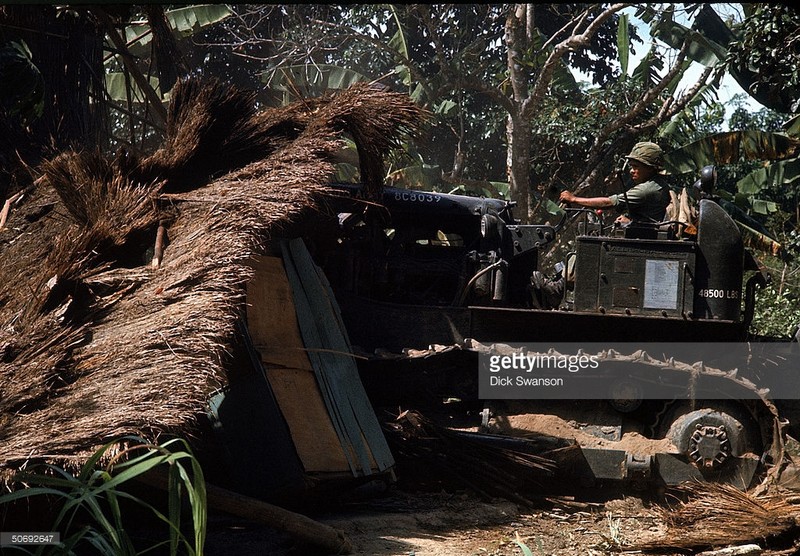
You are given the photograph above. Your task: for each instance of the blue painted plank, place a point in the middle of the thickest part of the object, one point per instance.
(330, 354)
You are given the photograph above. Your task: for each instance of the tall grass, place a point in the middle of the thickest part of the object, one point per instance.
(90, 513)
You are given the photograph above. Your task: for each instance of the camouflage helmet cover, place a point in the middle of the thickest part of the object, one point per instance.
(649, 154)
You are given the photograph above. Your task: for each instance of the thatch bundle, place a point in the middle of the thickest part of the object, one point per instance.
(717, 514)
(434, 455)
(95, 342)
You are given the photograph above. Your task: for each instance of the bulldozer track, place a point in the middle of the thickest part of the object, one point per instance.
(774, 455)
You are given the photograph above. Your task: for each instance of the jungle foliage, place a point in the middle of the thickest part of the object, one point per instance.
(525, 99)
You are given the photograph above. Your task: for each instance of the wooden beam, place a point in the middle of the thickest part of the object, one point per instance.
(298, 526)
(158, 250)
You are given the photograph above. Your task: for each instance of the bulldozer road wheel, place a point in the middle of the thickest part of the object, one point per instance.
(725, 440)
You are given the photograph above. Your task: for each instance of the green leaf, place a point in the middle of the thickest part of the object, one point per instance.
(192, 19)
(403, 73)
(174, 505)
(117, 88)
(196, 489)
(444, 107)
(647, 71)
(761, 206)
(793, 126)
(184, 22)
(346, 172)
(623, 43)
(423, 177)
(398, 40)
(30, 493)
(525, 550)
(310, 80)
(552, 207)
(777, 174)
(731, 147)
(417, 93)
(93, 496)
(21, 83)
(502, 187)
(702, 49)
(564, 79)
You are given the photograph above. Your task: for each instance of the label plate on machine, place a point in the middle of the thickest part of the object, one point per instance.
(661, 278)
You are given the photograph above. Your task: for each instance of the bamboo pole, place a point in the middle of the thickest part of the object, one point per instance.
(300, 527)
(296, 525)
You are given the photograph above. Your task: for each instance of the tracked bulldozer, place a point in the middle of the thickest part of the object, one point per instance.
(433, 288)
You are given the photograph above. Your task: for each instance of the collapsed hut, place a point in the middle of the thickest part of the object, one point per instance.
(124, 279)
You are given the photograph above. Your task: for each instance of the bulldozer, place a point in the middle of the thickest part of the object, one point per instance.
(435, 288)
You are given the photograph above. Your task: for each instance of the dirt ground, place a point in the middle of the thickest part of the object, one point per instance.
(458, 524)
(454, 524)
(413, 517)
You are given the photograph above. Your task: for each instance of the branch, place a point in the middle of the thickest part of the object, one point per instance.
(651, 94)
(128, 60)
(669, 108)
(348, 33)
(575, 26)
(571, 44)
(514, 36)
(468, 81)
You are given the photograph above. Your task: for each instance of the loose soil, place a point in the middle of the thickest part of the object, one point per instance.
(553, 425)
(415, 517)
(401, 523)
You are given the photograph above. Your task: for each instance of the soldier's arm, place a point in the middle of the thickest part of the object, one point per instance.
(588, 202)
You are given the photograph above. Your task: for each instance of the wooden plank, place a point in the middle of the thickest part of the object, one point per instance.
(274, 331)
(314, 437)
(329, 352)
(271, 318)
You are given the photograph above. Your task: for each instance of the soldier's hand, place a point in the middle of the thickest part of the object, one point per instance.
(566, 197)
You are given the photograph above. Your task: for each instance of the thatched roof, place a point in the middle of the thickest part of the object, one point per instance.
(95, 343)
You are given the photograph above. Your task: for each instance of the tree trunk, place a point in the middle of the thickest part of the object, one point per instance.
(519, 154)
(169, 60)
(67, 48)
(518, 131)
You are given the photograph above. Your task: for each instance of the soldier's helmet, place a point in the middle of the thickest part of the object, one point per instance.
(648, 153)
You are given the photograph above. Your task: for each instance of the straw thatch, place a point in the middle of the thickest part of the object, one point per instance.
(717, 514)
(95, 342)
(439, 456)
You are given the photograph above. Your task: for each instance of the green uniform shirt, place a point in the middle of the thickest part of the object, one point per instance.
(646, 202)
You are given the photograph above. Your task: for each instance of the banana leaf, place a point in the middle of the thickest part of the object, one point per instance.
(183, 21)
(118, 87)
(21, 83)
(310, 80)
(754, 234)
(731, 147)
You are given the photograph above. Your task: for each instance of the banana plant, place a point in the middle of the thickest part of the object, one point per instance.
(774, 154)
(21, 83)
(184, 22)
(310, 80)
